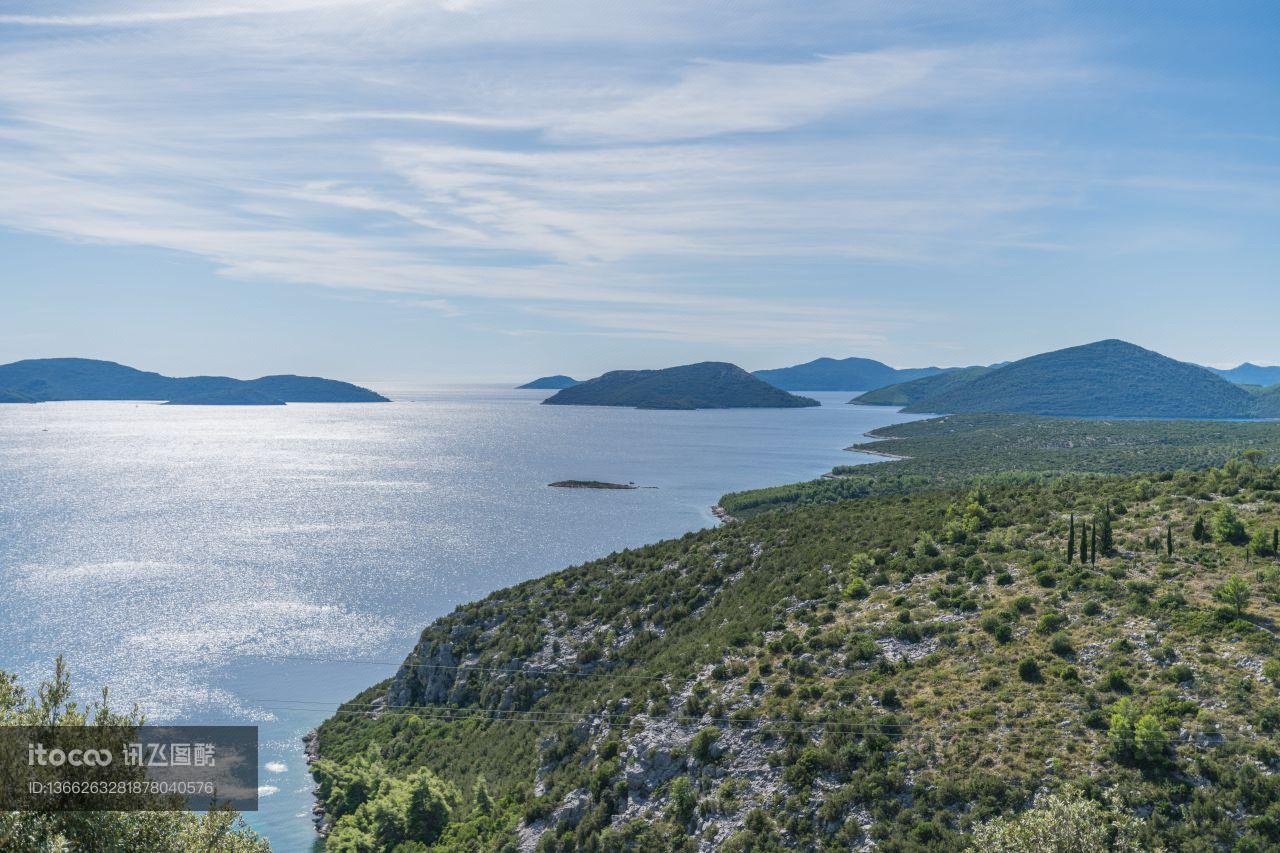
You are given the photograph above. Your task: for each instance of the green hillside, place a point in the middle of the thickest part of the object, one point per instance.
(706, 385)
(906, 393)
(1104, 379)
(1266, 403)
(904, 670)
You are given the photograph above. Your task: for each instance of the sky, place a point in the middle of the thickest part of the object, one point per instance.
(491, 190)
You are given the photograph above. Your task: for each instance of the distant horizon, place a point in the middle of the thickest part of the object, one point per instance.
(410, 382)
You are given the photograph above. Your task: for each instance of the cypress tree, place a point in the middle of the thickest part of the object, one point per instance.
(1275, 541)
(1093, 544)
(1107, 541)
(1168, 538)
(1071, 540)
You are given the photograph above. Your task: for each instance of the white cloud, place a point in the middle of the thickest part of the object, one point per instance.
(587, 169)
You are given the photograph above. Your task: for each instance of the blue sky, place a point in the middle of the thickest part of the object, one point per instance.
(486, 190)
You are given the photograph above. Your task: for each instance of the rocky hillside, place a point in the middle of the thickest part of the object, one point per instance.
(894, 673)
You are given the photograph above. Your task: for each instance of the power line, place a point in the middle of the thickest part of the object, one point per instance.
(528, 673)
(377, 711)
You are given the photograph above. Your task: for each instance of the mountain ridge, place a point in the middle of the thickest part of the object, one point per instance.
(841, 374)
(1109, 378)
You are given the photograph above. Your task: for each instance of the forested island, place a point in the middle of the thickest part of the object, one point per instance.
(706, 385)
(50, 379)
(549, 383)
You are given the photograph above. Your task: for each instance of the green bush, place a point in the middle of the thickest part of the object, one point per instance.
(1029, 670)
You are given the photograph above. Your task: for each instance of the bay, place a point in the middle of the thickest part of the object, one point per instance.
(262, 565)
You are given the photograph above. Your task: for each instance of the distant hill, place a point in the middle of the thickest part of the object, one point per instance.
(1266, 403)
(707, 385)
(1105, 379)
(241, 396)
(550, 382)
(44, 379)
(845, 374)
(313, 389)
(906, 393)
(1251, 374)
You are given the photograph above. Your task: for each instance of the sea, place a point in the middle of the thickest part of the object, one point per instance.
(261, 565)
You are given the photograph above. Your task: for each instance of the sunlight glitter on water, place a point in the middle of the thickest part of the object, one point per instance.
(263, 565)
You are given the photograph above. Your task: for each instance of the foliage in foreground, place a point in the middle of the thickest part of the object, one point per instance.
(137, 832)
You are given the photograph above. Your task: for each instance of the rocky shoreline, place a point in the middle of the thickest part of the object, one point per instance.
(723, 514)
(311, 750)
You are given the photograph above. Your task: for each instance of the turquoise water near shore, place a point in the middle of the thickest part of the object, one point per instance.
(261, 565)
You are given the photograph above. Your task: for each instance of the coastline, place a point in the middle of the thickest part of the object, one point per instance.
(311, 751)
(722, 516)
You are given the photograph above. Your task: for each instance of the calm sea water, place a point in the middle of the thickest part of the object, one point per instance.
(261, 565)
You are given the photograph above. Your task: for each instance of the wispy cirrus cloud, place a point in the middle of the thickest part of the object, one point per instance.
(467, 153)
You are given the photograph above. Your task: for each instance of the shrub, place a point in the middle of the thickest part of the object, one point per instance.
(1116, 682)
(683, 800)
(1061, 645)
(701, 744)
(1051, 622)
(1029, 670)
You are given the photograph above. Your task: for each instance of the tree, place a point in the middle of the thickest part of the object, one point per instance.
(222, 831)
(1261, 544)
(1198, 531)
(1105, 535)
(1168, 539)
(683, 800)
(429, 807)
(1227, 526)
(1149, 739)
(481, 797)
(1062, 822)
(1234, 593)
(1071, 540)
(1093, 544)
(1120, 729)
